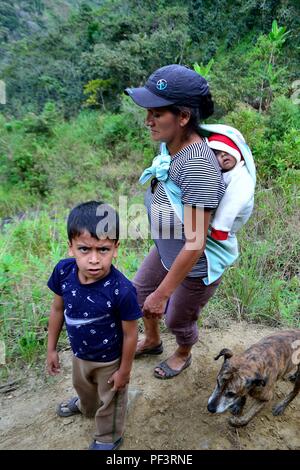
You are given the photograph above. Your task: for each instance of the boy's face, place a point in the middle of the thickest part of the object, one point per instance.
(93, 257)
(226, 161)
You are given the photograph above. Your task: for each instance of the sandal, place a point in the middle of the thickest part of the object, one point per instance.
(96, 445)
(150, 351)
(70, 408)
(169, 373)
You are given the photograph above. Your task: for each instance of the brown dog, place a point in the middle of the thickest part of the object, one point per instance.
(254, 373)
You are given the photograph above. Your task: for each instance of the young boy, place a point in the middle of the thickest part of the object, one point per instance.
(99, 306)
(237, 203)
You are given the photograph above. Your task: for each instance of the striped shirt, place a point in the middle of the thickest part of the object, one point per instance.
(196, 171)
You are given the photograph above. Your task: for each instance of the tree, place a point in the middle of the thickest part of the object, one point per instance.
(96, 89)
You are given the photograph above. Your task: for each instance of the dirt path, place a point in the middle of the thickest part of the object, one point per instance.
(162, 414)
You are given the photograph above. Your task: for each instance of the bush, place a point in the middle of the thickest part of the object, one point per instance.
(74, 161)
(282, 116)
(263, 285)
(273, 138)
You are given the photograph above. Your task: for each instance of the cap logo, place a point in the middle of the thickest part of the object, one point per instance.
(161, 84)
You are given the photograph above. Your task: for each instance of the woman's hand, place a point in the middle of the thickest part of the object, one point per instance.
(155, 305)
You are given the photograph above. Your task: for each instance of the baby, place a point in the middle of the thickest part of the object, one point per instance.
(237, 203)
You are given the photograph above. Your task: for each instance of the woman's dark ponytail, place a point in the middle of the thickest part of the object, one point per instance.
(206, 106)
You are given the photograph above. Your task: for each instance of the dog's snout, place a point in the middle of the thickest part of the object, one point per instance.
(211, 408)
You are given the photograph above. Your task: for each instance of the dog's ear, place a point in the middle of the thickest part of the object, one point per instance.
(226, 353)
(257, 381)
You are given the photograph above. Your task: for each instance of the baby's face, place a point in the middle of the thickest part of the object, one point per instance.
(226, 161)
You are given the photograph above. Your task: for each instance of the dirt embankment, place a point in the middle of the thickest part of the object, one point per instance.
(162, 415)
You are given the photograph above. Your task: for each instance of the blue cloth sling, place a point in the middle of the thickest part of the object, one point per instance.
(219, 253)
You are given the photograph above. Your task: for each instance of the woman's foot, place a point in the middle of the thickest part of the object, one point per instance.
(172, 366)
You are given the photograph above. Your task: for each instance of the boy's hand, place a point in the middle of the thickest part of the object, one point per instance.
(119, 380)
(53, 365)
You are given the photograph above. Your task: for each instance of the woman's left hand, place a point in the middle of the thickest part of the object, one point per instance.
(155, 305)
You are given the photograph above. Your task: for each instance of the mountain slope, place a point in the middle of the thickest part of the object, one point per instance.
(19, 18)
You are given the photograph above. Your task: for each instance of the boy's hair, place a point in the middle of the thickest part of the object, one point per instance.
(98, 218)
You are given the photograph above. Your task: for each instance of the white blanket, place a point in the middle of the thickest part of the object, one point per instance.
(237, 203)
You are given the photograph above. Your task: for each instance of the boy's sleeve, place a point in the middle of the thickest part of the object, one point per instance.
(54, 282)
(128, 305)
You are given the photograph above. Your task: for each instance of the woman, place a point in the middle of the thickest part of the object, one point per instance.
(170, 279)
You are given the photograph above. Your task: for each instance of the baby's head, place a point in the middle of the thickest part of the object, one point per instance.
(227, 152)
(93, 233)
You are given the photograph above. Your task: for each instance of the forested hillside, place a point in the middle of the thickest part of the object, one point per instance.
(19, 18)
(118, 43)
(68, 134)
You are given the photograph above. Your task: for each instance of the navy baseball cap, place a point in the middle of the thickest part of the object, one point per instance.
(172, 84)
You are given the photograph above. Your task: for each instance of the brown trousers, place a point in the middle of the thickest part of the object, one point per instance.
(96, 397)
(185, 304)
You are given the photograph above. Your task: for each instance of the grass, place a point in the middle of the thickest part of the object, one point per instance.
(263, 286)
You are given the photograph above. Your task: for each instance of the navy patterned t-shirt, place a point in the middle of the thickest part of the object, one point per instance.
(94, 312)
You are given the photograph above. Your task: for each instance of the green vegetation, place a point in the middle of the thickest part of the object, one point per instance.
(68, 134)
(119, 43)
